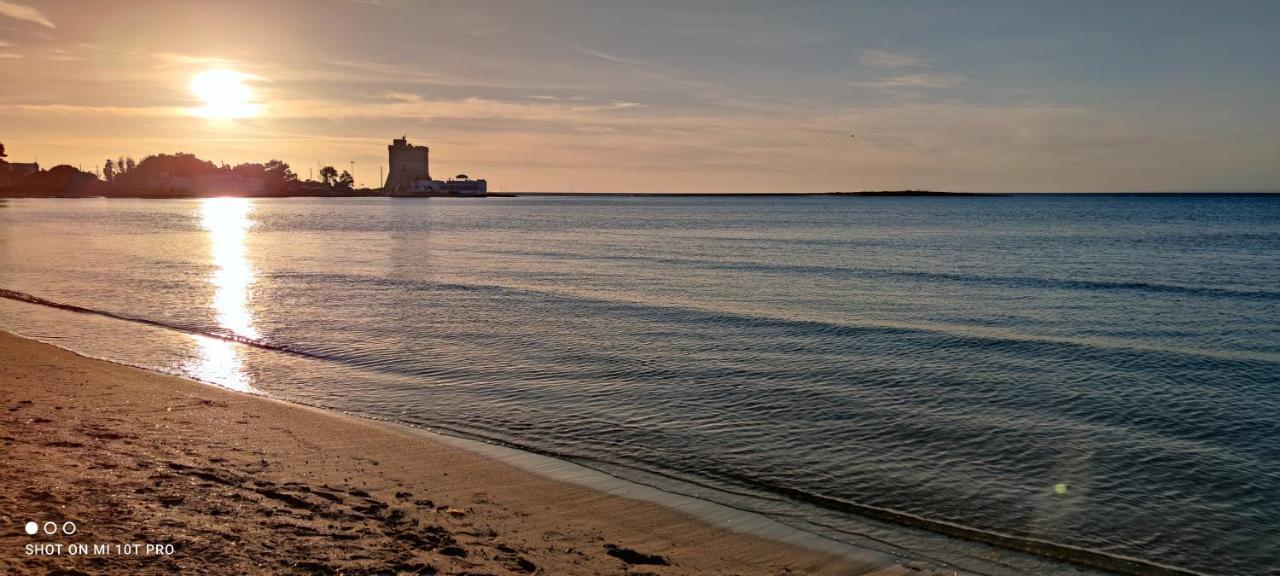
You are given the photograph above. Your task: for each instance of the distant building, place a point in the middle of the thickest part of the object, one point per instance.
(408, 163)
(457, 186)
(23, 168)
(11, 173)
(411, 174)
(16, 168)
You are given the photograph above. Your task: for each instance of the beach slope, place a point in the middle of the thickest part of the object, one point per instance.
(240, 484)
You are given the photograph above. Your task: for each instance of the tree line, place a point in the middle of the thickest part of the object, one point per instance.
(276, 175)
(167, 174)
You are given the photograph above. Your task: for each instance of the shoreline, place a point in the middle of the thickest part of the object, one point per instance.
(718, 513)
(246, 483)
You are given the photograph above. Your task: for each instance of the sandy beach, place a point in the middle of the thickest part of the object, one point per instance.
(240, 484)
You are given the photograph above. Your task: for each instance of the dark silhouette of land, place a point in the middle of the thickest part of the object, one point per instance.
(184, 175)
(179, 175)
(914, 193)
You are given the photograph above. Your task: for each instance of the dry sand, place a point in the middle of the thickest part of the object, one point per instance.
(240, 484)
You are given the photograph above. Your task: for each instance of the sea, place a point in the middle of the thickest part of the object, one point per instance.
(1002, 384)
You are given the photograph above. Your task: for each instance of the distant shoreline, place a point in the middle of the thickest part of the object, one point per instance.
(753, 194)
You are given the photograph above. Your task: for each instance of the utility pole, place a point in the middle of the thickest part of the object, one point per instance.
(353, 172)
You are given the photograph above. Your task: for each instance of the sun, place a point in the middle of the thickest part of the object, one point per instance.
(225, 94)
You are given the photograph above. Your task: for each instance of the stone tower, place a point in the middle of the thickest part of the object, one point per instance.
(408, 163)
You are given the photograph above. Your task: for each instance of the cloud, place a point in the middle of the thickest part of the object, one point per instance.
(76, 109)
(911, 85)
(671, 78)
(887, 59)
(904, 74)
(367, 72)
(916, 80)
(393, 106)
(24, 12)
(611, 57)
(404, 105)
(61, 55)
(474, 22)
(179, 59)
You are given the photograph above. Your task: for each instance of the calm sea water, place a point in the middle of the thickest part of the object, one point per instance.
(1096, 372)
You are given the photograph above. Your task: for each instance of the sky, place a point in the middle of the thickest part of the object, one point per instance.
(654, 96)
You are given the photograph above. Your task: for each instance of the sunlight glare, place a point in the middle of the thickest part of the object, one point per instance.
(227, 222)
(220, 363)
(225, 95)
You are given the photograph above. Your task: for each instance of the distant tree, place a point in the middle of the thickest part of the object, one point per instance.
(278, 170)
(345, 181)
(2, 155)
(275, 175)
(329, 175)
(62, 179)
(182, 165)
(109, 170)
(250, 170)
(120, 168)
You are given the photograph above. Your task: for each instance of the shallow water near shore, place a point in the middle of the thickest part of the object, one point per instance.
(1100, 373)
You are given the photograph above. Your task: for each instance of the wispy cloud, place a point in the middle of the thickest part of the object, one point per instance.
(915, 81)
(24, 12)
(611, 57)
(477, 23)
(80, 110)
(887, 59)
(904, 74)
(5, 55)
(671, 78)
(394, 105)
(174, 58)
(404, 105)
(380, 3)
(61, 55)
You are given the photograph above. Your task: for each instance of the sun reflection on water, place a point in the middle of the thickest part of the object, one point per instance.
(221, 364)
(227, 222)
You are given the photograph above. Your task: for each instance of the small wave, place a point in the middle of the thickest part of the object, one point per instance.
(1072, 554)
(32, 299)
(846, 272)
(945, 337)
(751, 488)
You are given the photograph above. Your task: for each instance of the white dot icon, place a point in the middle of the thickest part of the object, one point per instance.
(32, 527)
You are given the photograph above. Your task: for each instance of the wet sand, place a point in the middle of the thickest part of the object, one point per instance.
(240, 484)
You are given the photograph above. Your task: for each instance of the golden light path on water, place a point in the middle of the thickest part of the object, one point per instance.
(227, 222)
